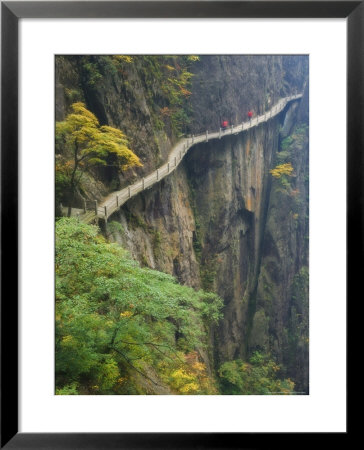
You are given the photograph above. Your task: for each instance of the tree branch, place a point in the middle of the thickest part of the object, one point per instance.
(155, 346)
(137, 370)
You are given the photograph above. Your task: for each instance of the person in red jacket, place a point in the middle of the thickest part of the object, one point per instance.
(250, 115)
(224, 124)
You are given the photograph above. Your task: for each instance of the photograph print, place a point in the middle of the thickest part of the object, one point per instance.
(182, 224)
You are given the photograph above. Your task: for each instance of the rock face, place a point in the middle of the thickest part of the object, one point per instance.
(229, 184)
(232, 85)
(280, 322)
(220, 221)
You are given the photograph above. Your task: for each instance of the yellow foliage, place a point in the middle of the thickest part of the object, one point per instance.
(126, 314)
(290, 384)
(180, 375)
(80, 109)
(114, 132)
(124, 58)
(82, 133)
(199, 367)
(189, 388)
(185, 92)
(193, 58)
(282, 169)
(166, 111)
(191, 377)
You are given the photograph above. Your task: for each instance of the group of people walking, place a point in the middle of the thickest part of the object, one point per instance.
(225, 123)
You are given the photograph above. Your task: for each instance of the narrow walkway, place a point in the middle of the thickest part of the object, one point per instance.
(116, 199)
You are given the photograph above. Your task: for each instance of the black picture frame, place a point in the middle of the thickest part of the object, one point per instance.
(11, 12)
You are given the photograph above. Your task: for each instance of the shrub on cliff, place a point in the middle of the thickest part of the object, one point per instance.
(258, 376)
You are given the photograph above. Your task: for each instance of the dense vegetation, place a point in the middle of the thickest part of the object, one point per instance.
(258, 376)
(116, 321)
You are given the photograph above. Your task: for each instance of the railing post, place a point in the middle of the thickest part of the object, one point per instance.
(220, 133)
(129, 191)
(157, 174)
(105, 207)
(84, 206)
(232, 128)
(168, 166)
(143, 183)
(175, 161)
(117, 201)
(180, 155)
(207, 134)
(192, 139)
(95, 207)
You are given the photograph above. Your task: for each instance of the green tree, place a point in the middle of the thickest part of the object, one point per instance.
(90, 144)
(116, 321)
(258, 376)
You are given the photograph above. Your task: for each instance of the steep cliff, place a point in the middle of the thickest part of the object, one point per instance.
(221, 221)
(280, 321)
(228, 86)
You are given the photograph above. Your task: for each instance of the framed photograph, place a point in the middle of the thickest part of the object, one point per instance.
(181, 214)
